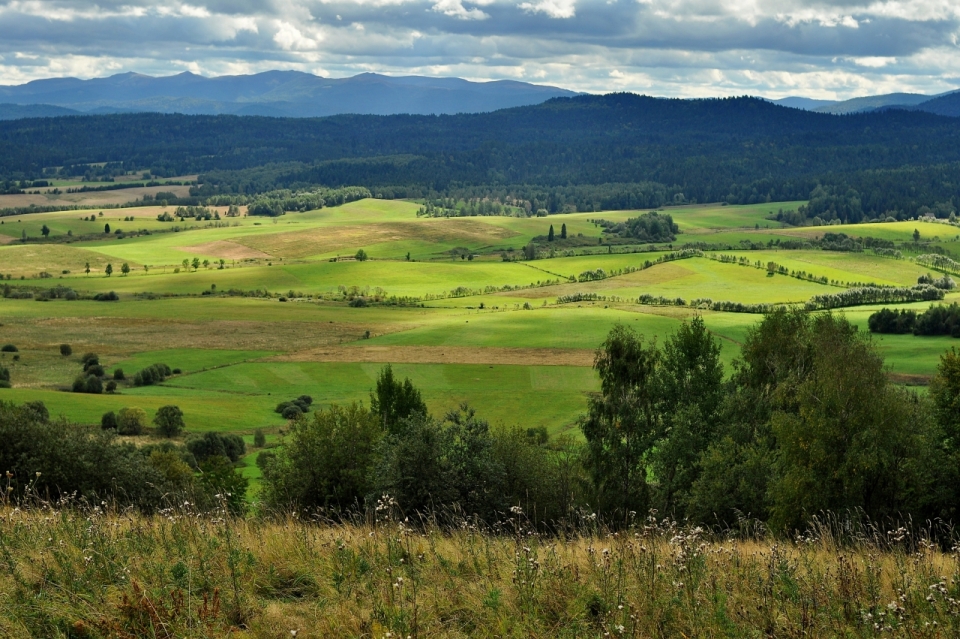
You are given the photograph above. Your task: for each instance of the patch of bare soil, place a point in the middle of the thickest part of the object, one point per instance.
(443, 355)
(6, 239)
(224, 249)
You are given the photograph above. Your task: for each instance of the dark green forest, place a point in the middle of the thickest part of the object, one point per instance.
(586, 153)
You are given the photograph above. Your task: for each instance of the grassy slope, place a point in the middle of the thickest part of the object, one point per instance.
(228, 336)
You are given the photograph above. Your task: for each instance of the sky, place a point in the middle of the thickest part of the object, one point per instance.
(681, 48)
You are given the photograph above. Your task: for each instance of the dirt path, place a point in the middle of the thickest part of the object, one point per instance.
(443, 355)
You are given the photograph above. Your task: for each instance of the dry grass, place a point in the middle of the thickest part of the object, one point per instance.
(90, 574)
(316, 241)
(444, 355)
(224, 249)
(90, 198)
(117, 337)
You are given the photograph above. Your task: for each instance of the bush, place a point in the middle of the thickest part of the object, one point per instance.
(259, 439)
(109, 421)
(118, 374)
(212, 444)
(325, 462)
(292, 412)
(89, 358)
(87, 384)
(106, 297)
(58, 458)
(9, 348)
(176, 371)
(66, 350)
(169, 421)
(131, 421)
(4, 377)
(111, 386)
(95, 369)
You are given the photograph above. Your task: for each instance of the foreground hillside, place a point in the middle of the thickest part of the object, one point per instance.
(96, 574)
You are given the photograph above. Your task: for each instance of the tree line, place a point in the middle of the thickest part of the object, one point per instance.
(582, 153)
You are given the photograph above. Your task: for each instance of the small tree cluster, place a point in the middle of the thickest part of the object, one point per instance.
(153, 374)
(91, 379)
(295, 407)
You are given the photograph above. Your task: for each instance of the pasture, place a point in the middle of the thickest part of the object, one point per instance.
(279, 316)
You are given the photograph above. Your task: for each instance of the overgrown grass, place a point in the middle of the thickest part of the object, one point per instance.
(73, 573)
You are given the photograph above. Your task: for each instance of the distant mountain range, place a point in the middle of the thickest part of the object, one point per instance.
(273, 93)
(943, 104)
(297, 94)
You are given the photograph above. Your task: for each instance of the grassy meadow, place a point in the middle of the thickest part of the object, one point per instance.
(100, 574)
(483, 330)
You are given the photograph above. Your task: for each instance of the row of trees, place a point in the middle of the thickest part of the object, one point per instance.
(807, 422)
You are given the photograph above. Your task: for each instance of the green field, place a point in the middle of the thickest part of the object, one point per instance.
(502, 343)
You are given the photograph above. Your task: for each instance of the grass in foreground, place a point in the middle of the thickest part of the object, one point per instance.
(90, 574)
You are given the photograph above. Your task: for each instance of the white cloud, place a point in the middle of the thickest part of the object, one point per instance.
(456, 9)
(289, 38)
(552, 8)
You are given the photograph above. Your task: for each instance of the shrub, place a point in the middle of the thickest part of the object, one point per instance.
(212, 444)
(118, 374)
(87, 384)
(4, 377)
(131, 421)
(169, 421)
(95, 369)
(292, 412)
(89, 357)
(259, 439)
(106, 297)
(60, 458)
(326, 461)
(176, 371)
(9, 348)
(111, 386)
(109, 421)
(66, 350)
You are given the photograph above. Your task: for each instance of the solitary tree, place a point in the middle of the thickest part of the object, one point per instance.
(125, 268)
(45, 230)
(394, 400)
(185, 263)
(195, 263)
(87, 269)
(361, 256)
(169, 421)
(550, 234)
(66, 350)
(916, 235)
(563, 231)
(106, 228)
(109, 270)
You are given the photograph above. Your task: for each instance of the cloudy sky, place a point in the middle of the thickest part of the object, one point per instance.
(835, 49)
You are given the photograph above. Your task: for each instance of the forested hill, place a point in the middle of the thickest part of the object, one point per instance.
(738, 149)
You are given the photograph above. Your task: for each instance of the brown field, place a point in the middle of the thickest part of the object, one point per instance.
(224, 249)
(331, 238)
(95, 198)
(122, 336)
(443, 355)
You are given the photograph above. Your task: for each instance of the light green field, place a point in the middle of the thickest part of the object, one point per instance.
(240, 356)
